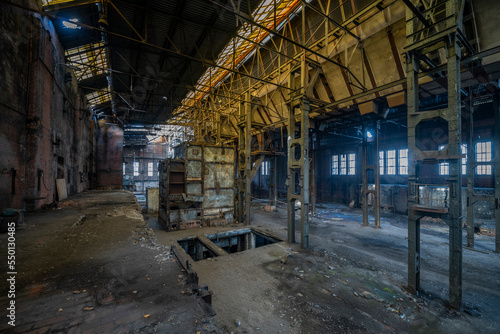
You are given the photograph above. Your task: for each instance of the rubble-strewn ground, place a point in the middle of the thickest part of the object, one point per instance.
(93, 266)
(352, 280)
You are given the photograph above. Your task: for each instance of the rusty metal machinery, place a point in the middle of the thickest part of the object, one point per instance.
(197, 187)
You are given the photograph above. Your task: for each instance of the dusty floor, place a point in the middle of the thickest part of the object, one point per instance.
(95, 266)
(351, 281)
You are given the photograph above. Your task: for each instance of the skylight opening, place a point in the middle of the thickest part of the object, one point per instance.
(99, 97)
(70, 24)
(90, 60)
(54, 2)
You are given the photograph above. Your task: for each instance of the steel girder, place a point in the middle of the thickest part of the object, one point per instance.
(496, 165)
(417, 45)
(370, 153)
(273, 181)
(298, 176)
(245, 160)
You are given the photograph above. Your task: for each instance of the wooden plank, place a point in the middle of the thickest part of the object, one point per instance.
(211, 246)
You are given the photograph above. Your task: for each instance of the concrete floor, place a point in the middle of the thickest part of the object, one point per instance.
(352, 280)
(95, 266)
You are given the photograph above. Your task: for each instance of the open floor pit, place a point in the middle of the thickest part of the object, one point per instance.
(207, 246)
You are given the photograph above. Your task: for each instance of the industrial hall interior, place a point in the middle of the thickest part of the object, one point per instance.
(250, 166)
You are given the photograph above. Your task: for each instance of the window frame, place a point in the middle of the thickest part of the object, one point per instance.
(351, 164)
(443, 167)
(343, 164)
(136, 168)
(403, 162)
(264, 168)
(150, 169)
(484, 153)
(381, 165)
(391, 162)
(335, 164)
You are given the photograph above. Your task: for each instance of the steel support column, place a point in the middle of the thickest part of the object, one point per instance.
(313, 169)
(370, 163)
(413, 218)
(454, 117)
(417, 46)
(496, 160)
(244, 160)
(241, 163)
(305, 168)
(248, 156)
(273, 178)
(471, 165)
(298, 156)
(219, 127)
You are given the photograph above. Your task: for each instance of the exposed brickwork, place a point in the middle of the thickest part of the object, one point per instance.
(46, 130)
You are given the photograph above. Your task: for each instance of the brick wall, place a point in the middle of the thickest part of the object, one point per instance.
(46, 127)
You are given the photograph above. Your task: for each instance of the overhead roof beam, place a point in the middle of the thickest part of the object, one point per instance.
(69, 4)
(417, 13)
(197, 45)
(330, 19)
(190, 87)
(191, 58)
(208, 27)
(163, 58)
(248, 19)
(173, 16)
